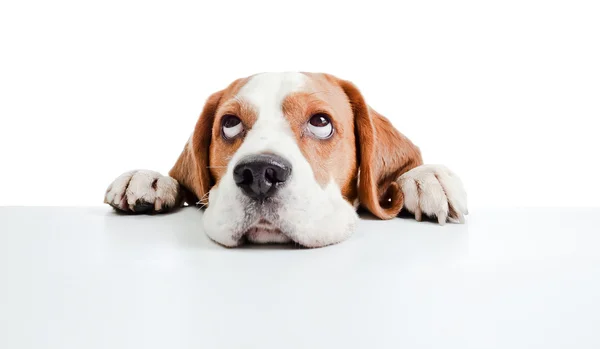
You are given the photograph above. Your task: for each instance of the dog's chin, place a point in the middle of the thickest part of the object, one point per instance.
(266, 233)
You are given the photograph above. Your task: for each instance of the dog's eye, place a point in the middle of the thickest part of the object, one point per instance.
(232, 126)
(320, 126)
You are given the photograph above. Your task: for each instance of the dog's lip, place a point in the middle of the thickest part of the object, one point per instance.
(258, 230)
(266, 234)
(262, 228)
(265, 226)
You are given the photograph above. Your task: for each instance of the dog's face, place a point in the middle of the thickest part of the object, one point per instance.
(283, 161)
(278, 158)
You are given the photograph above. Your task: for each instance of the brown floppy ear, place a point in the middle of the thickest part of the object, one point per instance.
(383, 154)
(191, 169)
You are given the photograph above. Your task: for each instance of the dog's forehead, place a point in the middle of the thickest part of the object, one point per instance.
(267, 91)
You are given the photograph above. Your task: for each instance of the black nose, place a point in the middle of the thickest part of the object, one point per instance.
(259, 176)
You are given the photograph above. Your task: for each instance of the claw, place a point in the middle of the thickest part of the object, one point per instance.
(158, 204)
(442, 218)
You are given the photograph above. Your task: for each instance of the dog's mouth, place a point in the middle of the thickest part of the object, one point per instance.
(265, 232)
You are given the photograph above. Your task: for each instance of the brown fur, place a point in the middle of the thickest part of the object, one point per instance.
(329, 158)
(192, 168)
(221, 150)
(383, 155)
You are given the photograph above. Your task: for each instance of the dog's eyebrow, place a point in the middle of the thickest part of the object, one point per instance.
(241, 101)
(314, 93)
(238, 105)
(235, 102)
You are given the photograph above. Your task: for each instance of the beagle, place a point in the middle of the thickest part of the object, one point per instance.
(289, 157)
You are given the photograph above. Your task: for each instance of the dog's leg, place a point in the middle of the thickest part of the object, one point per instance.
(143, 191)
(434, 191)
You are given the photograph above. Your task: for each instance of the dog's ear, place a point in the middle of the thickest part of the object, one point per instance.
(383, 154)
(191, 169)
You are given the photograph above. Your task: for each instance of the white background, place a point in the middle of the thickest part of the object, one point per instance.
(506, 93)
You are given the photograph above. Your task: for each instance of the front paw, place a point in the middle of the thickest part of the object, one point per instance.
(143, 191)
(435, 191)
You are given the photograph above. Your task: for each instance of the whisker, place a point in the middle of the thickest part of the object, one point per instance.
(203, 201)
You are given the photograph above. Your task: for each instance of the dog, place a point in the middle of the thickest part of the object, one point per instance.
(289, 157)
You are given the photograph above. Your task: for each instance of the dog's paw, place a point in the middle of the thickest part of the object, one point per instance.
(433, 190)
(143, 191)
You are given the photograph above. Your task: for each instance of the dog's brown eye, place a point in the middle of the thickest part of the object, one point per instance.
(231, 126)
(320, 126)
(319, 120)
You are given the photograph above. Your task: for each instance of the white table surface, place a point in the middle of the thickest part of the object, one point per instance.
(89, 278)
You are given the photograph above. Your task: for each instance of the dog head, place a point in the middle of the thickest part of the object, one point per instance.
(283, 157)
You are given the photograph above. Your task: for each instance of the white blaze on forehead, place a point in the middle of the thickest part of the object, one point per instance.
(267, 91)
(271, 132)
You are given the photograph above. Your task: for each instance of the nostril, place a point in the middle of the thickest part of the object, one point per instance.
(270, 175)
(247, 177)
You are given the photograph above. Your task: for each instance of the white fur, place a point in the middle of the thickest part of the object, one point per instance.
(136, 185)
(307, 213)
(432, 190)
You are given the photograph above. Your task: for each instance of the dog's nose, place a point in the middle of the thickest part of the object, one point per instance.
(259, 176)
